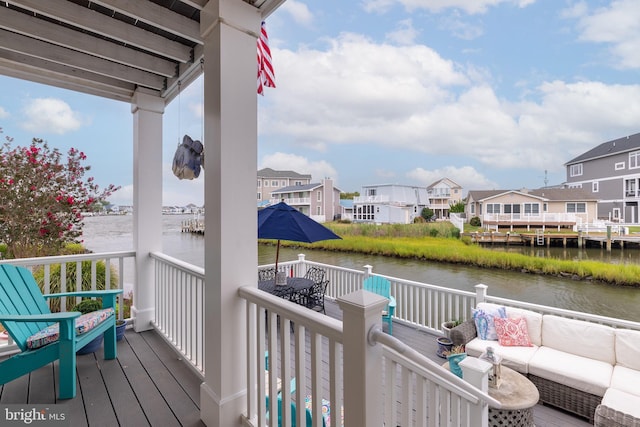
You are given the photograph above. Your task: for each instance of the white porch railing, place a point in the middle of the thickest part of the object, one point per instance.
(120, 263)
(179, 307)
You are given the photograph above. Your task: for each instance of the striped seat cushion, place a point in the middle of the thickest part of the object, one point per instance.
(84, 323)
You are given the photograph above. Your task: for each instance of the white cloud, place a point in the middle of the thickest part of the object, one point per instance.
(466, 176)
(410, 98)
(298, 11)
(3, 113)
(468, 6)
(617, 25)
(291, 162)
(50, 115)
(122, 197)
(405, 34)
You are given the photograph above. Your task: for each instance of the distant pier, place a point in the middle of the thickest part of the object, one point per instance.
(194, 226)
(540, 238)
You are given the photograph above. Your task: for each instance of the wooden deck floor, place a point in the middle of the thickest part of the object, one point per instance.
(149, 385)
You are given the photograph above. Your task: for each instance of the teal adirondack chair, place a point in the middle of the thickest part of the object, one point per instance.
(24, 312)
(381, 286)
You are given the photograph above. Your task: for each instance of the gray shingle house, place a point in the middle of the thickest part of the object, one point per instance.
(611, 173)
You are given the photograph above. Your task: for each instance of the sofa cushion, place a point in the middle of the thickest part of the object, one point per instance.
(516, 358)
(580, 338)
(628, 348)
(512, 332)
(626, 379)
(582, 373)
(483, 316)
(534, 323)
(622, 401)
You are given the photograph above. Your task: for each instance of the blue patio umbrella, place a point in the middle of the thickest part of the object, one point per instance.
(283, 222)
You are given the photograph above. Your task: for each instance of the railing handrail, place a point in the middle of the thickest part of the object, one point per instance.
(543, 309)
(174, 262)
(431, 370)
(318, 322)
(26, 262)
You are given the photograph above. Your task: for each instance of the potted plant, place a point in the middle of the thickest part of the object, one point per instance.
(444, 346)
(121, 326)
(84, 307)
(448, 325)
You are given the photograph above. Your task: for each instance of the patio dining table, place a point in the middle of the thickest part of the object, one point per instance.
(293, 290)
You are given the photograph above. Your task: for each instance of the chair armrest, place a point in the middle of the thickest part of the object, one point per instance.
(392, 302)
(463, 333)
(49, 317)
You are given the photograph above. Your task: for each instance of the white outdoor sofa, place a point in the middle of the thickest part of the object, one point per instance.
(576, 365)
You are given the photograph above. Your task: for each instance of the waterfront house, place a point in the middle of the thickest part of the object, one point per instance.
(389, 203)
(270, 180)
(610, 172)
(442, 195)
(542, 208)
(320, 200)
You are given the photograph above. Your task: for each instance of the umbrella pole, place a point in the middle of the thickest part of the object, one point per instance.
(277, 255)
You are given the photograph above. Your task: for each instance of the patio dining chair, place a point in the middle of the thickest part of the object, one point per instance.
(315, 273)
(267, 274)
(314, 299)
(381, 286)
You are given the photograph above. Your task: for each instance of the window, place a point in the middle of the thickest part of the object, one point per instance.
(259, 196)
(318, 210)
(371, 192)
(493, 208)
(595, 186)
(531, 209)
(274, 183)
(319, 195)
(576, 207)
(298, 183)
(634, 160)
(575, 170)
(473, 208)
(630, 187)
(283, 183)
(513, 210)
(259, 183)
(619, 166)
(545, 207)
(616, 213)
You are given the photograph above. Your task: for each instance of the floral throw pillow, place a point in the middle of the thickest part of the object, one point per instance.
(512, 332)
(483, 318)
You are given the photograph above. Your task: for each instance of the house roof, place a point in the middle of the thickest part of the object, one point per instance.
(270, 173)
(107, 48)
(305, 187)
(620, 145)
(546, 194)
(447, 181)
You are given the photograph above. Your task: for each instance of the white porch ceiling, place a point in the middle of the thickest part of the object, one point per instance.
(107, 48)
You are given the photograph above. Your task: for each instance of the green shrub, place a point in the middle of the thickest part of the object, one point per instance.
(433, 232)
(419, 219)
(87, 306)
(475, 221)
(71, 268)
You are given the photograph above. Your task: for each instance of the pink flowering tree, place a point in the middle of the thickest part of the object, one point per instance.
(43, 196)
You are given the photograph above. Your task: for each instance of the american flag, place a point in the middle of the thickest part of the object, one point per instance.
(265, 67)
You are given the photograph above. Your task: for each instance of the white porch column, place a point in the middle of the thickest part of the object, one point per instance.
(229, 29)
(147, 109)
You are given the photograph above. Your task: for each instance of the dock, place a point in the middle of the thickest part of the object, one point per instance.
(195, 226)
(541, 238)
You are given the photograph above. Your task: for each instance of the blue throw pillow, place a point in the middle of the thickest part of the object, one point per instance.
(483, 319)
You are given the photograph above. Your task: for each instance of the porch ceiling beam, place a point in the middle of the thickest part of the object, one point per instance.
(52, 33)
(24, 67)
(157, 16)
(97, 23)
(197, 4)
(61, 55)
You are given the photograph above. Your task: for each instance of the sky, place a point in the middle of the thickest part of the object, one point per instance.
(492, 94)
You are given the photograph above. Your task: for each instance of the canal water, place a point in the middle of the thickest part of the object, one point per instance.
(115, 233)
